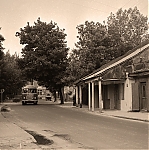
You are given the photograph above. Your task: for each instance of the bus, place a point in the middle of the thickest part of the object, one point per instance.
(29, 94)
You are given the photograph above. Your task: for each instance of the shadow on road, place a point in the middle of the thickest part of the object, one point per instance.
(41, 140)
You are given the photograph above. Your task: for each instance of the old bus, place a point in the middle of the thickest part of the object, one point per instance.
(29, 94)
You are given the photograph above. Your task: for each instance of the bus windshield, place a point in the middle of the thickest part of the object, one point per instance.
(29, 90)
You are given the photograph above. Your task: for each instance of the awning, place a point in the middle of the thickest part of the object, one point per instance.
(112, 81)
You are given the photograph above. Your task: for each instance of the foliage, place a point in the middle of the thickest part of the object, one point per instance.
(100, 43)
(126, 29)
(44, 56)
(1, 60)
(11, 76)
(1, 50)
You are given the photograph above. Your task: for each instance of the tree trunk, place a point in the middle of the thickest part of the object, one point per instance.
(62, 95)
(54, 96)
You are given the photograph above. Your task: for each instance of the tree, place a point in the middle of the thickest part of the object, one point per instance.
(100, 43)
(90, 49)
(12, 80)
(126, 29)
(91, 45)
(1, 60)
(1, 46)
(44, 56)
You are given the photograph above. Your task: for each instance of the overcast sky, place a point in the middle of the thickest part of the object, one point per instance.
(14, 14)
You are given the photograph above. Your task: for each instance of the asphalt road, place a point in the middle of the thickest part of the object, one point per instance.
(88, 130)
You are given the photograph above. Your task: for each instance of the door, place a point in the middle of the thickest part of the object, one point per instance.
(135, 97)
(116, 97)
(143, 98)
(106, 101)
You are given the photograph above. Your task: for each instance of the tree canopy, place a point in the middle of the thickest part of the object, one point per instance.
(99, 43)
(44, 56)
(11, 79)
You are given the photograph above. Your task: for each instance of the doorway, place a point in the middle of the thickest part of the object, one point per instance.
(106, 101)
(143, 98)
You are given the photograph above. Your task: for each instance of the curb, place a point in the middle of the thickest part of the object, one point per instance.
(108, 115)
(131, 118)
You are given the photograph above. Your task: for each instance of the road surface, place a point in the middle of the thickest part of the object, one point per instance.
(83, 129)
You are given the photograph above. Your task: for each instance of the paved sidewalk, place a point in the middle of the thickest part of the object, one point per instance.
(140, 116)
(13, 137)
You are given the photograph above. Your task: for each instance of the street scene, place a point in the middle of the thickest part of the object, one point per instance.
(74, 74)
(50, 125)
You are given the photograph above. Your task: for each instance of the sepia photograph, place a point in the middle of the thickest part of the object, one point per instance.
(74, 75)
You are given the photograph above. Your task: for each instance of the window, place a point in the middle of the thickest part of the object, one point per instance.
(25, 90)
(143, 90)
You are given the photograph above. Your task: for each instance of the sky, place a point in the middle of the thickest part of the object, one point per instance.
(68, 14)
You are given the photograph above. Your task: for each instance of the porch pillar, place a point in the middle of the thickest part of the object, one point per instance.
(80, 92)
(100, 97)
(76, 95)
(92, 96)
(89, 96)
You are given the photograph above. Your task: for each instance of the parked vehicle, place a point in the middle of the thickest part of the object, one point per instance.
(48, 97)
(29, 95)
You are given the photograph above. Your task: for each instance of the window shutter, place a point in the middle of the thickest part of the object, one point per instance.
(135, 97)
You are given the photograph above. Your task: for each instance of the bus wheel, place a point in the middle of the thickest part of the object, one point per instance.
(23, 103)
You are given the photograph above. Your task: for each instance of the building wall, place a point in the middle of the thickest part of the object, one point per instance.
(139, 62)
(140, 101)
(114, 96)
(147, 94)
(126, 104)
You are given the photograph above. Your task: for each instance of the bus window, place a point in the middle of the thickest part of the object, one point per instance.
(25, 90)
(32, 91)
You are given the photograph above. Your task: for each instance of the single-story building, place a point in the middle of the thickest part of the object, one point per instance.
(121, 84)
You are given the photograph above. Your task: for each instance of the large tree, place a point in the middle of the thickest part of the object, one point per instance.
(44, 56)
(99, 43)
(126, 30)
(12, 79)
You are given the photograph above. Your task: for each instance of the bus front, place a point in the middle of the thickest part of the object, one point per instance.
(29, 95)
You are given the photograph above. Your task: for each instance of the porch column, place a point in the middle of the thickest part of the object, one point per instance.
(128, 93)
(100, 97)
(89, 96)
(92, 96)
(80, 92)
(76, 95)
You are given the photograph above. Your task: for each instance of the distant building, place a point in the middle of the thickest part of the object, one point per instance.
(41, 92)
